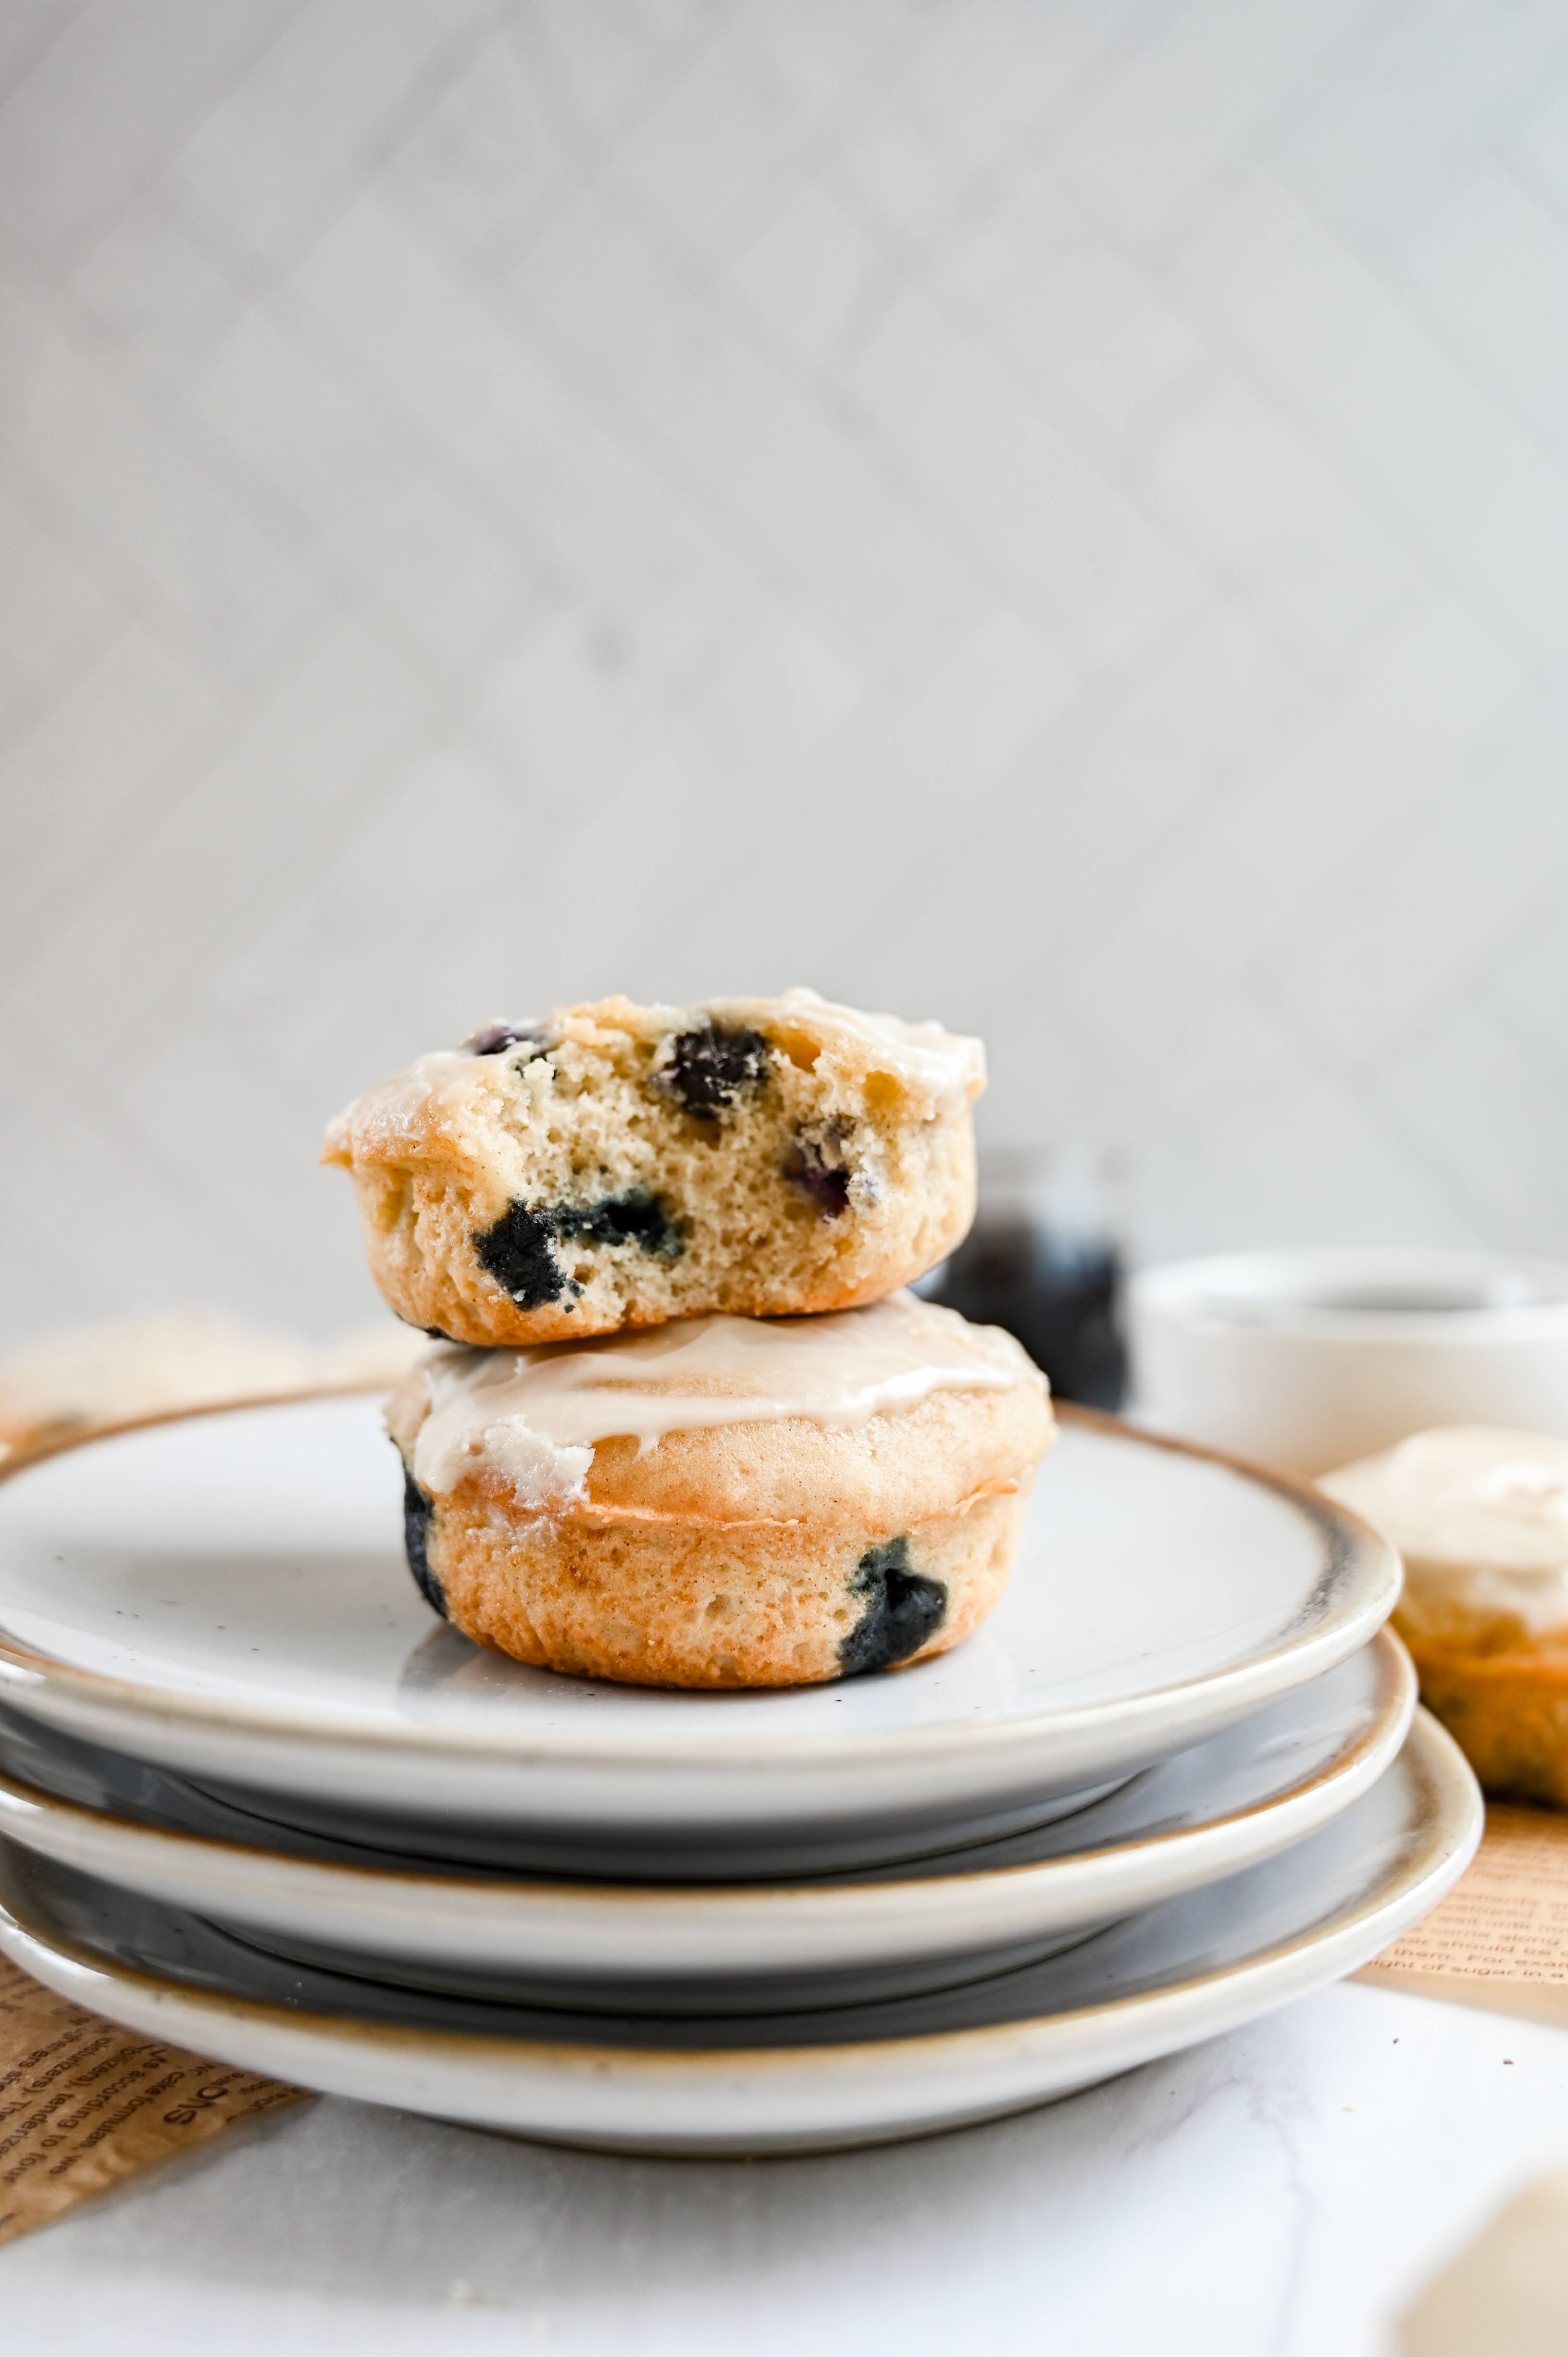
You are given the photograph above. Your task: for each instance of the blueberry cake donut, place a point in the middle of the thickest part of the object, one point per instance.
(618, 1165)
(1481, 1515)
(724, 1502)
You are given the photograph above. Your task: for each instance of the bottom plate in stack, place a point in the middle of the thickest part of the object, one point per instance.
(1173, 1974)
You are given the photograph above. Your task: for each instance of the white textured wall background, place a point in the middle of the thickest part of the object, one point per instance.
(1053, 512)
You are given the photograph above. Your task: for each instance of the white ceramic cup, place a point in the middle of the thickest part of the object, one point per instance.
(1308, 1359)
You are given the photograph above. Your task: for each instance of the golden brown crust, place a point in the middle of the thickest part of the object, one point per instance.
(687, 1604)
(1466, 1621)
(1506, 1711)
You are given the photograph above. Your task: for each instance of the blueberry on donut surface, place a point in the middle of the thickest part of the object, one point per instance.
(902, 1610)
(417, 1511)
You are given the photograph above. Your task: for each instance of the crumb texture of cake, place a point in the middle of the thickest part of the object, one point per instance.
(1479, 1514)
(724, 1502)
(615, 1164)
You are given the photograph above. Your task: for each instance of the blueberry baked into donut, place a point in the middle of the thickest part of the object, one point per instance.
(615, 1164)
(724, 1502)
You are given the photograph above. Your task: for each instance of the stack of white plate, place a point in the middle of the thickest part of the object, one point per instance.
(257, 1801)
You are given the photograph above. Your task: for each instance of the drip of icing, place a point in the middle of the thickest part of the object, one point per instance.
(532, 1417)
(1481, 1515)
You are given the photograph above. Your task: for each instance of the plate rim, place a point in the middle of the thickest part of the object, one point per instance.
(1452, 1820)
(1379, 1744)
(1373, 1568)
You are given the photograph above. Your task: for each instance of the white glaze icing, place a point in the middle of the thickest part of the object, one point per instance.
(391, 1112)
(534, 1415)
(944, 1068)
(1479, 1513)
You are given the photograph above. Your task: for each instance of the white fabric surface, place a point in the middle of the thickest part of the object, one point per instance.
(1287, 2190)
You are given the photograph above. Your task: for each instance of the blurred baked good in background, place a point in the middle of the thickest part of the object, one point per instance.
(89, 1376)
(1480, 1516)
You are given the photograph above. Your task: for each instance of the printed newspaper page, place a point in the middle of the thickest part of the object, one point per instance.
(1501, 1937)
(84, 2105)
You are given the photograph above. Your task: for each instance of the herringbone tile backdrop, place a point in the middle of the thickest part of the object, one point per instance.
(1053, 512)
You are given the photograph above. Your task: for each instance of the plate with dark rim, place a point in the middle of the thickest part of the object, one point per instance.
(224, 1594)
(789, 2081)
(735, 1948)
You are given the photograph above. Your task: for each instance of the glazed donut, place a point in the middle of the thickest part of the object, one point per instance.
(724, 1502)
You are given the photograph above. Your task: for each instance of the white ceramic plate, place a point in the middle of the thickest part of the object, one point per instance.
(788, 2082)
(1241, 1797)
(225, 1594)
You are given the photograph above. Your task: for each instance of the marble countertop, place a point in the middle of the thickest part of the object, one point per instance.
(1280, 2193)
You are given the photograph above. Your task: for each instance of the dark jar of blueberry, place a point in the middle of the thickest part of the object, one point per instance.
(1043, 1259)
